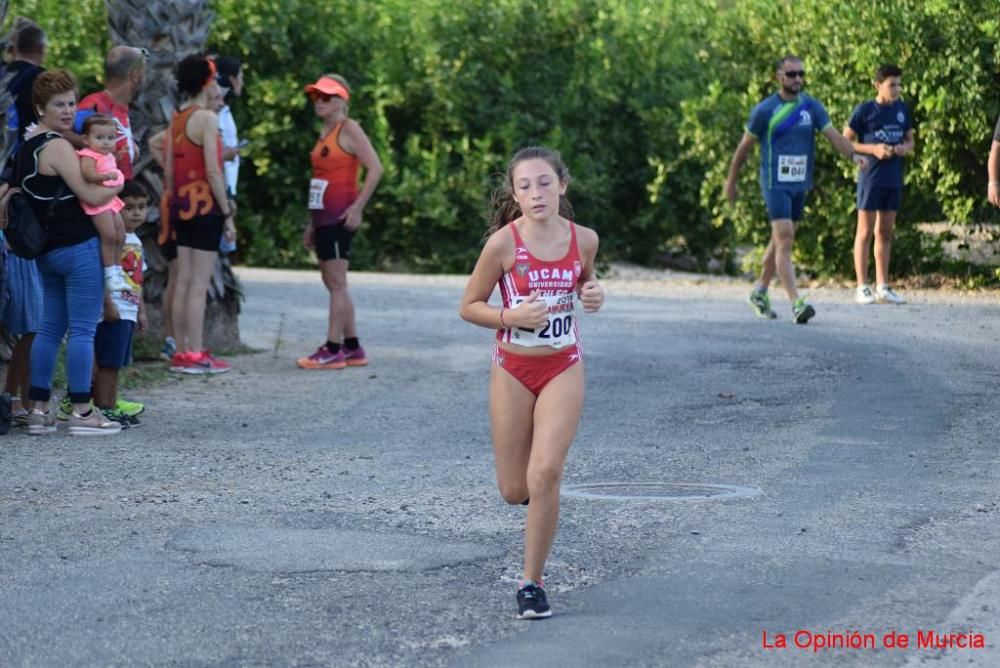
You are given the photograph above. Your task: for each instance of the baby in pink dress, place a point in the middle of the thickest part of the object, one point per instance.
(97, 162)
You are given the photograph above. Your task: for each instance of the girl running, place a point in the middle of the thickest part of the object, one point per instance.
(336, 206)
(539, 258)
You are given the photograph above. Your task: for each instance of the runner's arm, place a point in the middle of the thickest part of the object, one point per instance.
(208, 124)
(358, 143)
(156, 148)
(843, 145)
(489, 268)
(739, 157)
(588, 288)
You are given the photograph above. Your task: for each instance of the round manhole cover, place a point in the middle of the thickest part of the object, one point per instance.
(657, 491)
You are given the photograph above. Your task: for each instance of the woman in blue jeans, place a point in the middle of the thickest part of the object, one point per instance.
(48, 171)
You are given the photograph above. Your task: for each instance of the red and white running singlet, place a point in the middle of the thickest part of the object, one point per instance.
(555, 282)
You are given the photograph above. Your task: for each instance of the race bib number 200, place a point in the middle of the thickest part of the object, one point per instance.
(558, 332)
(792, 168)
(317, 189)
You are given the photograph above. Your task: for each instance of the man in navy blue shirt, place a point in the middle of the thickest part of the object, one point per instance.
(785, 124)
(881, 129)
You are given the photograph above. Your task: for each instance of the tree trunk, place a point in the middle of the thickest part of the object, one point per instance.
(170, 30)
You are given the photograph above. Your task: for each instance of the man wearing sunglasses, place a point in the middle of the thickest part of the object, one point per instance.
(785, 125)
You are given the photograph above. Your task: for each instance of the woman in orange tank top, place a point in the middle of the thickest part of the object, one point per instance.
(335, 207)
(199, 212)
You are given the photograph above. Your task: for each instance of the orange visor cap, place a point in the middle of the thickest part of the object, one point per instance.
(328, 86)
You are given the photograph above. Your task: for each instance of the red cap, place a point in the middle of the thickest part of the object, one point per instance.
(329, 86)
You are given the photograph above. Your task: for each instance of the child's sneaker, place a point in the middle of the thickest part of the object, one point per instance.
(40, 422)
(761, 304)
(886, 295)
(168, 350)
(65, 409)
(531, 602)
(94, 423)
(864, 295)
(114, 280)
(115, 416)
(118, 416)
(355, 357)
(802, 312)
(130, 408)
(324, 359)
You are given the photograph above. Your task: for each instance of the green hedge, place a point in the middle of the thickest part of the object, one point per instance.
(645, 98)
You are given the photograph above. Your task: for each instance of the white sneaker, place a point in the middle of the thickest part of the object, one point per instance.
(864, 295)
(114, 279)
(885, 294)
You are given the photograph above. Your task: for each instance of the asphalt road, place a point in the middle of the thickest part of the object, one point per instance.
(273, 516)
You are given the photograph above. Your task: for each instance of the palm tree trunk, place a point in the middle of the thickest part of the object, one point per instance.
(170, 30)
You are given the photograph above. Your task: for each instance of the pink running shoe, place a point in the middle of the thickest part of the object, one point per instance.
(181, 363)
(197, 363)
(356, 357)
(323, 359)
(205, 363)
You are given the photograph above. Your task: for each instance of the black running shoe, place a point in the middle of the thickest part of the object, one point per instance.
(802, 312)
(531, 603)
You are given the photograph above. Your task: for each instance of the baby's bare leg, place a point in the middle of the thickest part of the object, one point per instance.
(105, 224)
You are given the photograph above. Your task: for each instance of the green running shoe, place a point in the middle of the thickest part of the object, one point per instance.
(801, 311)
(761, 305)
(65, 409)
(130, 408)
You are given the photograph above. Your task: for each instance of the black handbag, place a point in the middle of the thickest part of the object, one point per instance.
(25, 234)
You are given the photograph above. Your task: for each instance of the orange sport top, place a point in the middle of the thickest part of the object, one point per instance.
(334, 185)
(192, 195)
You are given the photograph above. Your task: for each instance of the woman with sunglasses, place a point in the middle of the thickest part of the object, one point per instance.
(335, 207)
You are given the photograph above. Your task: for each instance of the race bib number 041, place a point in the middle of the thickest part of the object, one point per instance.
(792, 168)
(317, 189)
(558, 332)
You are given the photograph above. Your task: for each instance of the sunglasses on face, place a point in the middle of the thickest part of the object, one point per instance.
(315, 97)
(795, 74)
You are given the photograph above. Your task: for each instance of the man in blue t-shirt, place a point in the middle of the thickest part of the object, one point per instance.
(882, 129)
(785, 124)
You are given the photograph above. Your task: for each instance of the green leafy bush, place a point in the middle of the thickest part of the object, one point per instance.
(646, 99)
